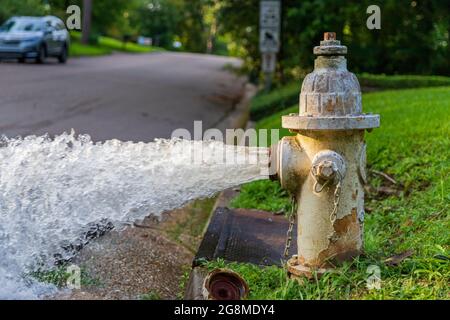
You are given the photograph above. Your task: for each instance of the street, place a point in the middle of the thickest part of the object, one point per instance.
(122, 96)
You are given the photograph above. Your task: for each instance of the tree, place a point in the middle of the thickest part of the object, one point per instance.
(157, 19)
(87, 21)
(108, 16)
(192, 29)
(9, 8)
(414, 36)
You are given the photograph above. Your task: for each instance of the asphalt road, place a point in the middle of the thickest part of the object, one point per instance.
(127, 97)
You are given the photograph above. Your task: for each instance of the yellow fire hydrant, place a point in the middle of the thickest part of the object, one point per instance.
(323, 166)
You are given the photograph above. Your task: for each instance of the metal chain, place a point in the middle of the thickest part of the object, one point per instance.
(292, 216)
(336, 200)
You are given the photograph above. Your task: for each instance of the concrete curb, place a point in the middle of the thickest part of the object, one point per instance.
(240, 114)
(238, 118)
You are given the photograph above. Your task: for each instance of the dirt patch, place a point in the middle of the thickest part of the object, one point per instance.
(149, 259)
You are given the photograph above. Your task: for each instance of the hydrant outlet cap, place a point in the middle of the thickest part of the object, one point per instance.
(330, 46)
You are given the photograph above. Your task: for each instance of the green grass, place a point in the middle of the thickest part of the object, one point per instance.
(413, 146)
(262, 195)
(266, 104)
(151, 296)
(105, 46)
(59, 277)
(78, 50)
(382, 81)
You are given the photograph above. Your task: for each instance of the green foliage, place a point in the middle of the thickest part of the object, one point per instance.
(193, 223)
(265, 104)
(9, 8)
(192, 29)
(414, 36)
(108, 16)
(381, 81)
(158, 20)
(239, 20)
(262, 195)
(412, 146)
(151, 296)
(78, 50)
(184, 282)
(59, 276)
(105, 46)
(117, 45)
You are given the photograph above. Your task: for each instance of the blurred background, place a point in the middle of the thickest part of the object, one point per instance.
(139, 69)
(414, 38)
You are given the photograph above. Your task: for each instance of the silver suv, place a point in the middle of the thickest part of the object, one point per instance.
(34, 38)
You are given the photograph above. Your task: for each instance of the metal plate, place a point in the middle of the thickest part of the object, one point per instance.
(248, 236)
(296, 122)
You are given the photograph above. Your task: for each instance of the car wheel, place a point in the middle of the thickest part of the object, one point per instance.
(42, 55)
(62, 58)
(21, 60)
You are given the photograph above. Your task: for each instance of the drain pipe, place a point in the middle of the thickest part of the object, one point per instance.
(323, 166)
(224, 284)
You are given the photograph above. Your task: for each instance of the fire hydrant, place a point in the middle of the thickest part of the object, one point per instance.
(323, 166)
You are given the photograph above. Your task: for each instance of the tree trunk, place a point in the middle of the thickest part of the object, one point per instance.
(87, 21)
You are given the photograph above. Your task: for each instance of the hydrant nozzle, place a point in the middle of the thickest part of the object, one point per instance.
(323, 165)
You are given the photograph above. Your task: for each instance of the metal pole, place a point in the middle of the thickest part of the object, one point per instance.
(267, 81)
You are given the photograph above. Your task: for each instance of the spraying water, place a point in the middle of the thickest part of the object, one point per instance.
(52, 189)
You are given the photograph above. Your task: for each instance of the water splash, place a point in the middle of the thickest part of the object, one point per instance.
(51, 189)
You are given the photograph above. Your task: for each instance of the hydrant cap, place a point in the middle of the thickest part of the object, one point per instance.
(330, 46)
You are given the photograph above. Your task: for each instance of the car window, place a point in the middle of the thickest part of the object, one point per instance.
(59, 25)
(22, 25)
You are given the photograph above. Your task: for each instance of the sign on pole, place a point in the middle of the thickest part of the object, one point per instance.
(269, 37)
(269, 62)
(269, 26)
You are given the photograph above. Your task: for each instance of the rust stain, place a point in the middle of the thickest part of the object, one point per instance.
(330, 106)
(301, 260)
(343, 225)
(345, 248)
(355, 195)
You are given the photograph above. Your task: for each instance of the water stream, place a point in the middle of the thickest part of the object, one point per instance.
(51, 190)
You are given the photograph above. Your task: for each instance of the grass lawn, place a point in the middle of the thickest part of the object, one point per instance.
(105, 46)
(413, 146)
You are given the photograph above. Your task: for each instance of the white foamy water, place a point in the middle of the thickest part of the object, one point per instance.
(51, 189)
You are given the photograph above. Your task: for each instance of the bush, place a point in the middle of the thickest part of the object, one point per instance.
(265, 104)
(380, 81)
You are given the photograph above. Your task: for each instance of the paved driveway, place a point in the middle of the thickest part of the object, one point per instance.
(128, 97)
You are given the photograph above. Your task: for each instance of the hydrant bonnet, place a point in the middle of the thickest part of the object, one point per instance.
(330, 98)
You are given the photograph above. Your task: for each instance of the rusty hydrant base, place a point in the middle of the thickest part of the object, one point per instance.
(300, 272)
